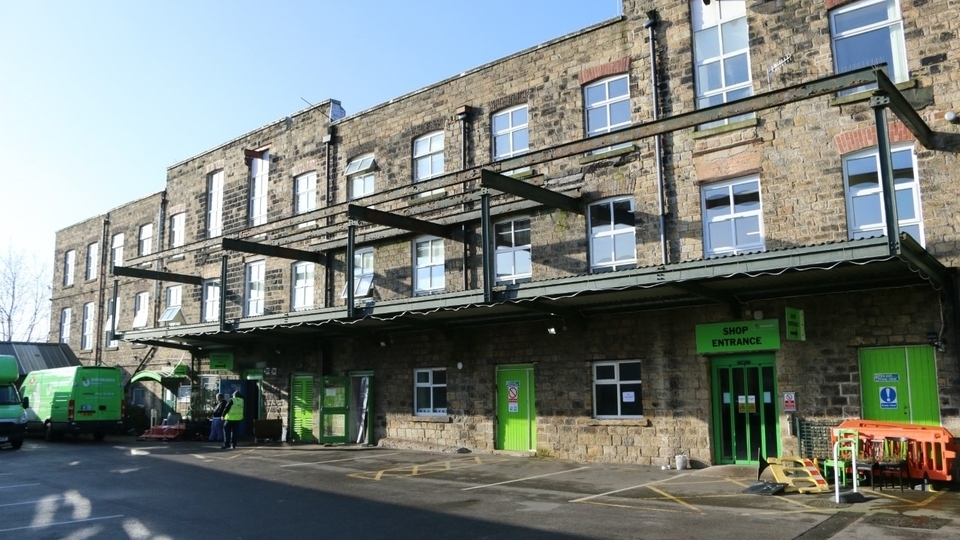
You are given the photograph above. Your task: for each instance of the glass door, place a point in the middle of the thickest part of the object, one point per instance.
(746, 425)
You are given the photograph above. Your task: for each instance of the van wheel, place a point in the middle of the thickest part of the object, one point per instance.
(99, 436)
(16, 443)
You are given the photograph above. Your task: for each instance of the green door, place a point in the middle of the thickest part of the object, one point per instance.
(335, 410)
(302, 397)
(745, 423)
(516, 413)
(899, 384)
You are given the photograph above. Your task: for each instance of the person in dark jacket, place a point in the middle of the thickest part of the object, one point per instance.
(232, 416)
(216, 419)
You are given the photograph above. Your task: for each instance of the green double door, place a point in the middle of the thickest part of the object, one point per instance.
(899, 384)
(516, 413)
(745, 421)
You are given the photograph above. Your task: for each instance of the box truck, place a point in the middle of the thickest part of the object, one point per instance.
(74, 400)
(13, 419)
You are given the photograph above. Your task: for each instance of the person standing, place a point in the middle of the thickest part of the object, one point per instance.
(232, 416)
(216, 419)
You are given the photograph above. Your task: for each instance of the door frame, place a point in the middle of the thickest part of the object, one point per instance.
(529, 394)
(769, 427)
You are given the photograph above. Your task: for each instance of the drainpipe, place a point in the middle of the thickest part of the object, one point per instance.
(104, 255)
(463, 113)
(651, 26)
(328, 291)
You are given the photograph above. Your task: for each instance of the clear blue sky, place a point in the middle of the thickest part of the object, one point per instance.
(99, 97)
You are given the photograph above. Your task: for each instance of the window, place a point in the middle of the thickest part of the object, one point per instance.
(141, 309)
(428, 159)
(869, 33)
(430, 392)
(137, 396)
(865, 214)
(613, 243)
(92, 261)
(116, 250)
(69, 265)
(178, 232)
(215, 204)
(428, 266)
(305, 193)
(302, 285)
(721, 49)
(359, 175)
(66, 315)
(259, 174)
(513, 250)
(510, 135)
(86, 335)
(174, 296)
(362, 273)
(617, 390)
(112, 341)
(254, 289)
(732, 217)
(211, 300)
(607, 107)
(145, 246)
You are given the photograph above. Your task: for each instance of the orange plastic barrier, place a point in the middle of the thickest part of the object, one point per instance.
(931, 450)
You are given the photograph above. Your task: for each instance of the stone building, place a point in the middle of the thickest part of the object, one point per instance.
(689, 229)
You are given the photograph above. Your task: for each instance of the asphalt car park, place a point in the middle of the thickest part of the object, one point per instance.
(166, 489)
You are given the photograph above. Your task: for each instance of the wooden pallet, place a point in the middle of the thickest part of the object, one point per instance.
(164, 433)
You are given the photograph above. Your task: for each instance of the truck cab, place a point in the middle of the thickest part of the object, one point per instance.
(13, 417)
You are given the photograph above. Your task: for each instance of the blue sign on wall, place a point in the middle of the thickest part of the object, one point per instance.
(888, 397)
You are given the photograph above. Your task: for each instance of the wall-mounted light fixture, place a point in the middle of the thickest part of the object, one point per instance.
(554, 328)
(951, 116)
(934, 339)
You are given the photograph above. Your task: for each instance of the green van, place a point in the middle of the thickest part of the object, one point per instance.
(13, 419)
(75, 400)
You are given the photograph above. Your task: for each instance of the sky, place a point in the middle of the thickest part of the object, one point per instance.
(99, 97)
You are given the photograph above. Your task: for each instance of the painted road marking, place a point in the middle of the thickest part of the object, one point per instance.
(71, 522)
(588, 497)
(33, 502)
(337, 460)
(426, 468)
(19, 485)
(524, 479)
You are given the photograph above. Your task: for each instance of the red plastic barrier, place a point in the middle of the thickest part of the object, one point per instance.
(931, 449)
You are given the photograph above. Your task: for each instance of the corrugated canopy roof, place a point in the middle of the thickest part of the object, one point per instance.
(34, 356)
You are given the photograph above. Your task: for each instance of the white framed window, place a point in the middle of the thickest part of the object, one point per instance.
(66, 316)
(732, 217)
(254, 290)
(211, 300)
(174, 296)
(721, 50)
(428, 156)
(359, 175)
(868, 33)
(112, 340)
(428, 265)
(137, 396)
(362, 273)
(617, 389)
(510, 132)
(86, 330)
(607, 107)
(145, 243)
(116, 250)
(430, 392)
(141, 309)
(69, 267)
(259, 186)
(303, 280)
(613, 242)
(305, 192)
(178, 229)
(93, 261)
(861, 179)
(215, 204)
(512, 240)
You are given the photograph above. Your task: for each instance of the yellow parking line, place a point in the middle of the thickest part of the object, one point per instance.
(425, 468)
(523, 479)
(675, 499)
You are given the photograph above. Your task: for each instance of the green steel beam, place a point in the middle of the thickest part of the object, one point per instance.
(904, 111)
(233, 244)
(154, 274)
(396, 221)
(499, 182)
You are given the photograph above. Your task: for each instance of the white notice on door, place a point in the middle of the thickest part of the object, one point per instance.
(629, 397)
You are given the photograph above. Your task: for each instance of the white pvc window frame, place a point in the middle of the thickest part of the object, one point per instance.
(430, 392)
(864, 193)
(732, 217)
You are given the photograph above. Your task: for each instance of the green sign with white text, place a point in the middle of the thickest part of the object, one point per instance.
(739, 336)
(221, 360)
